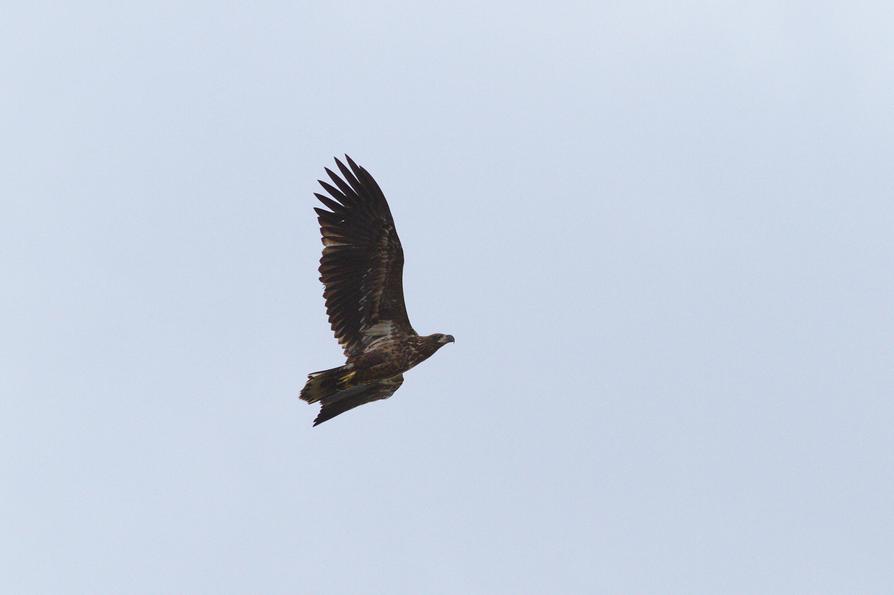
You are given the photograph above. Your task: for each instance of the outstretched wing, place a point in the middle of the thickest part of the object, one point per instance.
(355, 396)
(362, 264)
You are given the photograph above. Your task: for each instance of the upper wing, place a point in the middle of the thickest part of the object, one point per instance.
(362, 264)
(357, 395)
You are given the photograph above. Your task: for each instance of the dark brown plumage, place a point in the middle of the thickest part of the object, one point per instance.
(362, 271)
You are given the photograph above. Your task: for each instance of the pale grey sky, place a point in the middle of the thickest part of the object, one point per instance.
(660, 232)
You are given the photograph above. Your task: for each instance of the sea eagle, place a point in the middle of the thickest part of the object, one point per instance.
(362, 269)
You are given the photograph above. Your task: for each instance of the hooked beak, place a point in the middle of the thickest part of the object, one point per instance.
(448, 339)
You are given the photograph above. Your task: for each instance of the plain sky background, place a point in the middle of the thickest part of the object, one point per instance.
(661, 232)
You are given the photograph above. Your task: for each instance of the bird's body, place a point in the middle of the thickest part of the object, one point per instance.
(362, 270)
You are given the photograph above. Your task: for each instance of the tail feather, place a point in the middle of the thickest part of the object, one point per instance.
(321, 384)
(336, 392)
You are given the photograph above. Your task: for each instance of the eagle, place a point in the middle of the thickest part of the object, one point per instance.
(362, 272)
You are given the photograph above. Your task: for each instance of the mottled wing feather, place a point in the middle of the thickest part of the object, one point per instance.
(362, 263)
(358, 395)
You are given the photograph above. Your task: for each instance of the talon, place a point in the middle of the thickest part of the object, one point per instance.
(345, 380)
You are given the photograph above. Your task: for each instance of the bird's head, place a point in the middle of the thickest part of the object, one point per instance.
(441, 339)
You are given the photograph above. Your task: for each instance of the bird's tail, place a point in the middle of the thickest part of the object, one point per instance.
(326, 383)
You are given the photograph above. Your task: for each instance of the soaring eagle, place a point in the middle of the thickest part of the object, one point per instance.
(362, 271)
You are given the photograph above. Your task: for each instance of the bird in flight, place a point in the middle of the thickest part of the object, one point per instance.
(362, 271)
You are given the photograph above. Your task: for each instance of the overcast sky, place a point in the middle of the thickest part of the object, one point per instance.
(661, 233)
